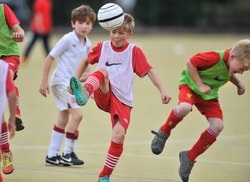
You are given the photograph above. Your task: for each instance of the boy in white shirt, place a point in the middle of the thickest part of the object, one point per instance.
(69, 50)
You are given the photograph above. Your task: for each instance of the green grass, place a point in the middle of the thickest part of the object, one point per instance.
(227, 160)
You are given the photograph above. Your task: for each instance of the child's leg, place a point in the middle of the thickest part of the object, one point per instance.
(56, 140)
(13, 65)
(4, 142)
(172, 120)
(92, 83)
(70, 142)
(69, 157)
(19, 122)
(187, 158)
(7, 156)
(113, 156)
(207, 138)
(115, 150)
(161, 136)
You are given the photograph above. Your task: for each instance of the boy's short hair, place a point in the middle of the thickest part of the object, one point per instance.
(81, 13)
(128, 24)
(242, 52)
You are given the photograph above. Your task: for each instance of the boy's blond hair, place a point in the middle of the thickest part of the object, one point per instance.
(128, 24)
(81, 13)
(242, 52)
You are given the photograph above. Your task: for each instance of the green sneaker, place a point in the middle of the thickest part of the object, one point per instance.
(158, 142)
(104, 179)
(186, 166)
(76, 87)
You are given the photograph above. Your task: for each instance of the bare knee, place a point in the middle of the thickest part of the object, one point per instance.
(183, 109)
(216, 125)
(118, 133)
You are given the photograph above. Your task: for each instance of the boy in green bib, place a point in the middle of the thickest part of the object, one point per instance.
(198, 85)
(11, 33)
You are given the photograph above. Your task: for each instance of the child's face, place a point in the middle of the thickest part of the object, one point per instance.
(236, 66)
(82, 28)
(119, 38)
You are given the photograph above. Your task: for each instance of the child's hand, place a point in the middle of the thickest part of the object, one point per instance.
(12, 127)
(70, 91)
(240, 89)
(44, 89)
(205, 89)
(17, 37)
(165, 97)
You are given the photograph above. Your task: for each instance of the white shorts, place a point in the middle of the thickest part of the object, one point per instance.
(64, 100)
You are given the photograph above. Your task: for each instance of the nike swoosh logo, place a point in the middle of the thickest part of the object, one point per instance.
(111, 64)
(218, 79)
(67, 160)
(57, 162)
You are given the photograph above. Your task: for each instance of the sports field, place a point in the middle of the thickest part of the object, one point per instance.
(228, 160)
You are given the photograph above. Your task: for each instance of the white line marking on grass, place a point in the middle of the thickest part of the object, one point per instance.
(137, 155)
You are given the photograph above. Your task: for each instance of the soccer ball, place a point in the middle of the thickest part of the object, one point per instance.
(110, 16)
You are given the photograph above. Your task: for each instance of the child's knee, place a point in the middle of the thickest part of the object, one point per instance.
(216, 125)
(183, 109)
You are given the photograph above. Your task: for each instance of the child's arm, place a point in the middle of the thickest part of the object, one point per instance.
(44, 88)
(157, 82)
(196, 77)
(18, 33)
(82, 67)
(85, 75)
(238, 84)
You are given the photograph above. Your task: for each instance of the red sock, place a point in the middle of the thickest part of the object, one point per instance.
(206, 140)
(73, 136)
(18, 112)
(114, 153)
(170, 123)
(5, 146)
(59, 130)
(94, 81)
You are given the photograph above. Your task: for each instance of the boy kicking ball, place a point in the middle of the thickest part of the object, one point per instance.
(111, 85)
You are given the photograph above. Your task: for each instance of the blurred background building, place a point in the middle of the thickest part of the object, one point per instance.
(180, 15)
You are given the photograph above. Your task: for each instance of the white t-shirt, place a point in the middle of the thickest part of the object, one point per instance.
(70, 51)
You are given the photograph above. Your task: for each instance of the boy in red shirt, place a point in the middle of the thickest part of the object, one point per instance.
(11, 33)
(198, 85)
(7, 96)
(111, 84)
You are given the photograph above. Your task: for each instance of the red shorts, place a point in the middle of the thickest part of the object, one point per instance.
(13, 62)
(109, 103)
(209, 108)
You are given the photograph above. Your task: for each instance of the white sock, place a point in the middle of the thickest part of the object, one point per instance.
(55, 143)
(70, 145)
